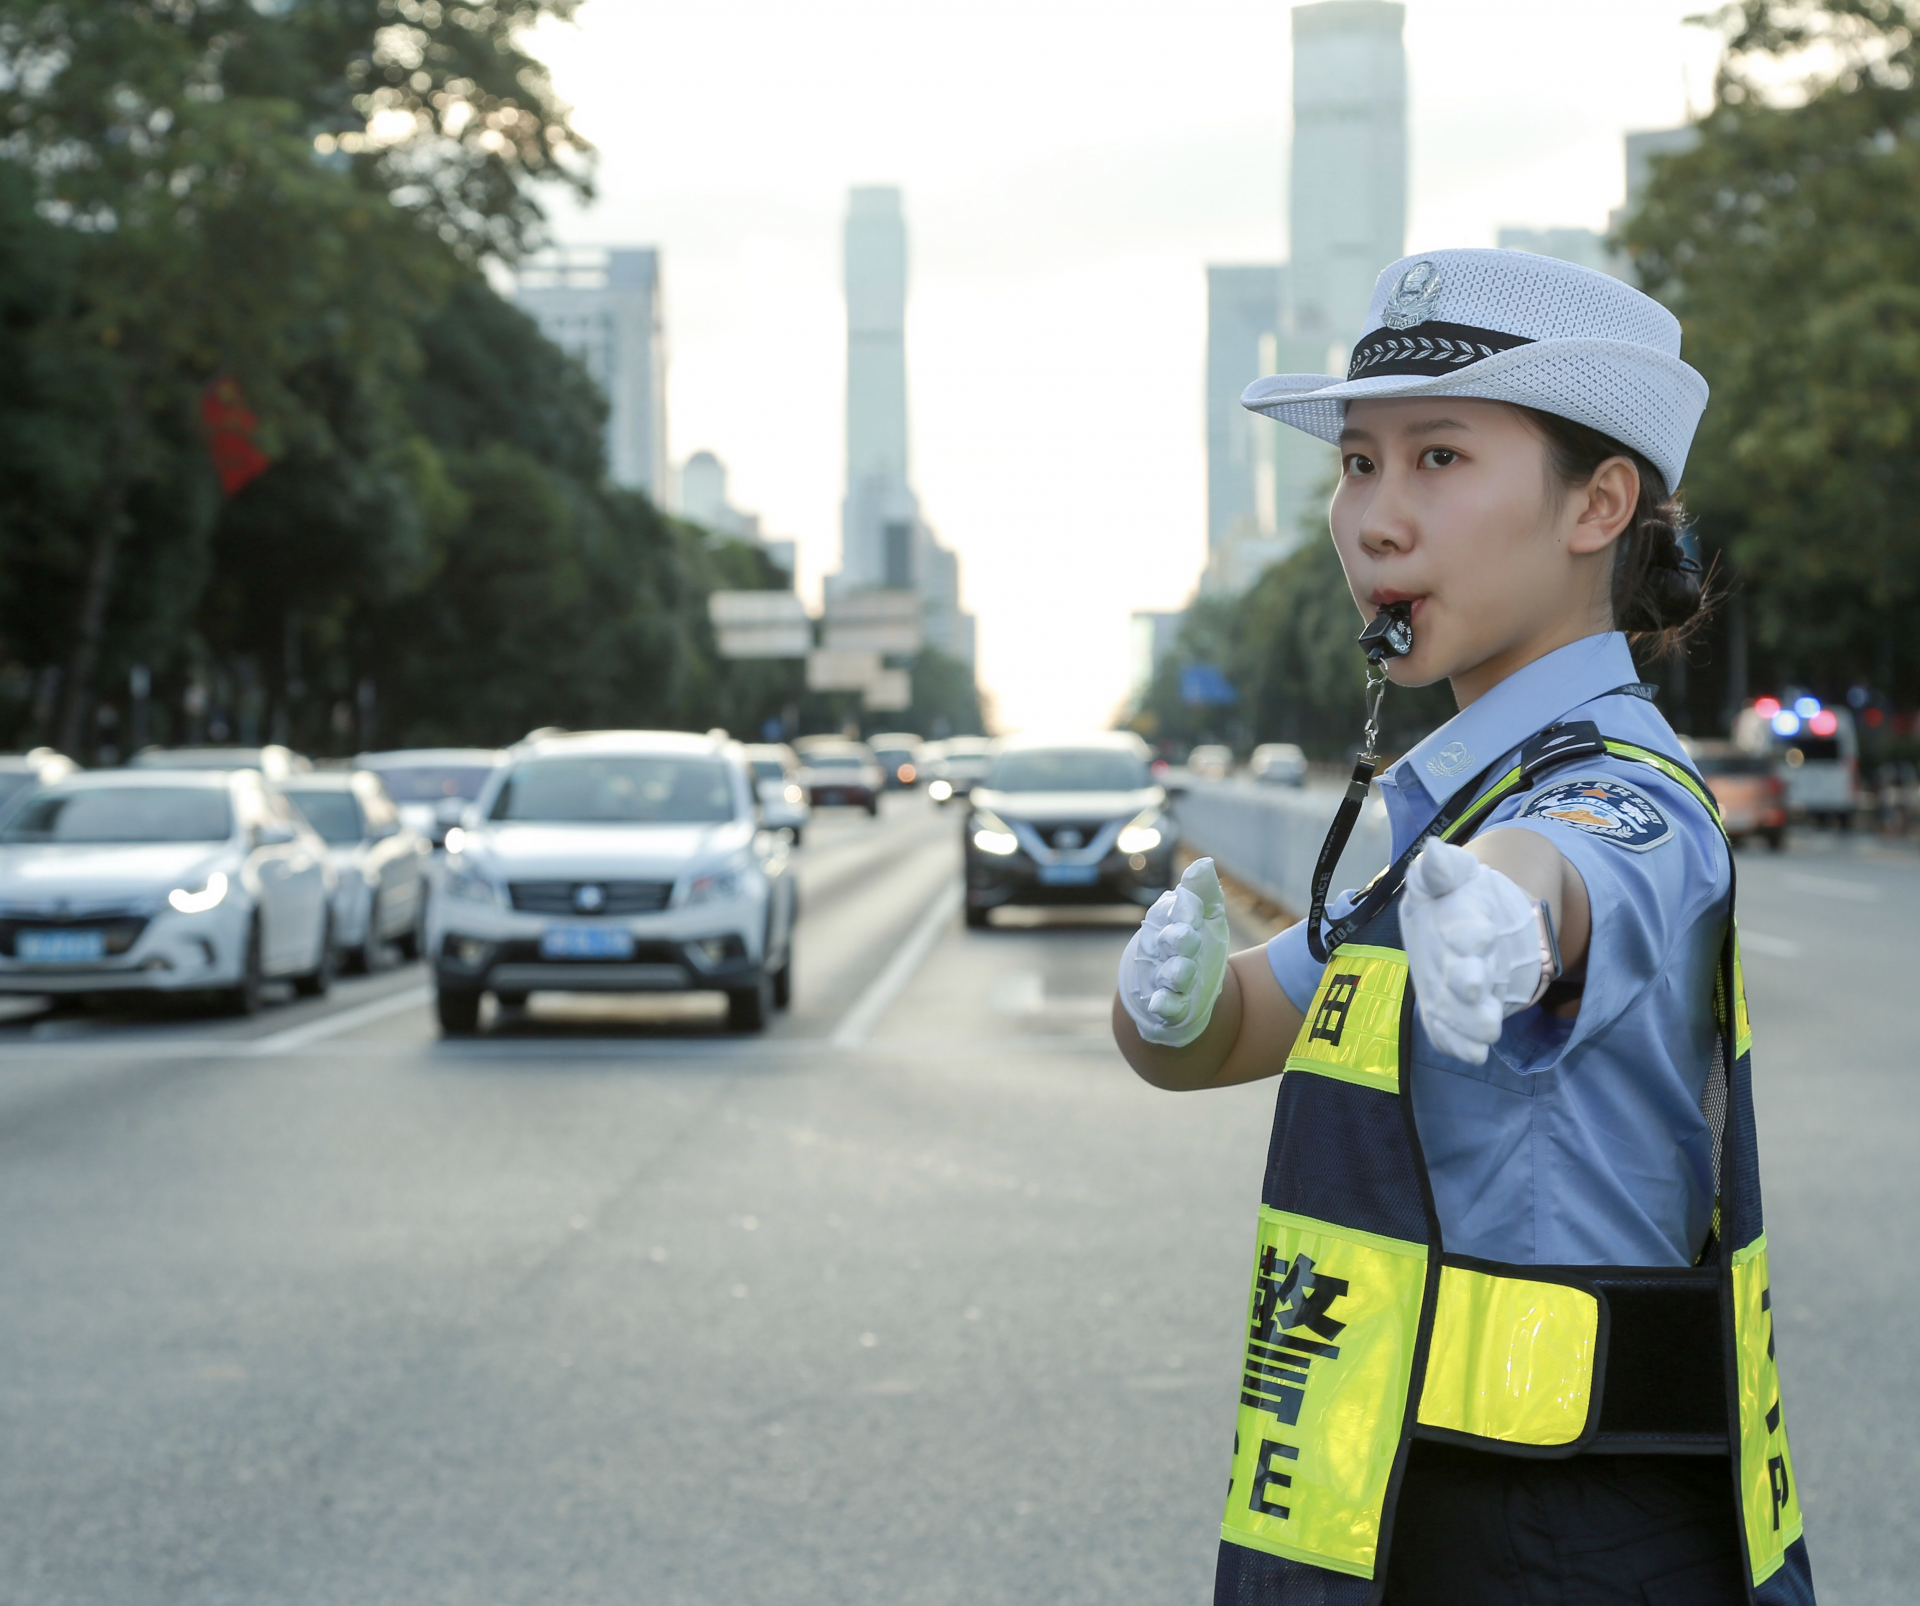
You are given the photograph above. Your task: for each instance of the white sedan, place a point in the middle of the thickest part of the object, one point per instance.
(156, 881)
(614, 862)
(380, 863)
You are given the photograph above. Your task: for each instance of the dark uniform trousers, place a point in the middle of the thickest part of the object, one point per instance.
(1478, 1529)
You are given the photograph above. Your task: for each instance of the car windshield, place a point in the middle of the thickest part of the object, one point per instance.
(13, 783)
(969, 747)
(1820, 749)
(429, 783)
(768, 769)
(836, 761)
(1068, 769)
(618, 789)
(123, 814)
(335, 815)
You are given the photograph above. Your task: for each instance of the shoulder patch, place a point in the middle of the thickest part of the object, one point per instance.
(1604, 807)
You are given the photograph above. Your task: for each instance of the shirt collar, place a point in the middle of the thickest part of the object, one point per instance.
(1528, 700)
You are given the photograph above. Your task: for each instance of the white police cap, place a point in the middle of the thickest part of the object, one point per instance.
(1513, 327)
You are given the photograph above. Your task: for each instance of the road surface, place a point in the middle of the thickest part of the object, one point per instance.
(921, 1297)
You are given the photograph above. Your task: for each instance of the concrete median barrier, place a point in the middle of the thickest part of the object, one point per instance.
(1269, 836)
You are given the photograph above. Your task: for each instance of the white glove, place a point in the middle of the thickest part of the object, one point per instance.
(1473, 948)
(1176, 964)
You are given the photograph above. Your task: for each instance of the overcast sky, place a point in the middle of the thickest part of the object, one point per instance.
(1069, 169)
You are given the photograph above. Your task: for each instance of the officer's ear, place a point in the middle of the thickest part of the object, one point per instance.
(1604, 506)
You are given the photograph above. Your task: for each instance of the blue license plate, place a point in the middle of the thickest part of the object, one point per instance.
(60, 947)
(586, 942)
(1069, 875)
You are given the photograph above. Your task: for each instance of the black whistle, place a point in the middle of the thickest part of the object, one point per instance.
(1389, 634)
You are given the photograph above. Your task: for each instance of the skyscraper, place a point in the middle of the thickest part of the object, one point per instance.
(884, 542)
(1347, 219)
(603, 307)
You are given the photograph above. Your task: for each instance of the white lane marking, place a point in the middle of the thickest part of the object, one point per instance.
(1830, 887)
(1758, 942)
(892, 981)
(314, 1031)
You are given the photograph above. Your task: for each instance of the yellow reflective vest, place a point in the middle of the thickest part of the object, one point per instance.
(1363, 1332)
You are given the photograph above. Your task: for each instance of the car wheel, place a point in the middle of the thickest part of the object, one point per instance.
(749, 1007)
(796, 835)
(873, 807)
(413, 941)
(365, 959)
(317, 982)
(1776, 840)
(243, 998)
(458, 1009)
(976, 918)
(511, 1000)
(783, 983)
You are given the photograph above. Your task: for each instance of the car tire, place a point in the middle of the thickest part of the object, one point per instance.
(873, 807)
(458, 1009)
(243, 998)
(749, 1007)
(511, 1000)
(413, 941)
(317, 982)
(976, 918)
(797, 834)
(1776, 840)
(783, 983)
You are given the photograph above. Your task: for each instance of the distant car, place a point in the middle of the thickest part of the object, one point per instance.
(1814, 749)
(833, 770)
(1751, 796)
(899, 755)
(276, 763)
(1278, 764)
(776, 781)
(962, 760)
(615, 862)
(432, 786)
(380, 863)
(38, 766)
(1074, 821)
(141, 880)
(1210, 762)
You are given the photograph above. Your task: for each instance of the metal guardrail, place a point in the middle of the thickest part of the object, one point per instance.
(1269, 836)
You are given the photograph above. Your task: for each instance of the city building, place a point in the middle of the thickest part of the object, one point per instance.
(885, 543)
(1347, 219)
(603, 307)
(1152, 638)
(1243, 317)
(1585, 247)
(704, 501)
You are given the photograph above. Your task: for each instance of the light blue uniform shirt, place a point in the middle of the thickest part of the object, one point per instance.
(1578, 1142)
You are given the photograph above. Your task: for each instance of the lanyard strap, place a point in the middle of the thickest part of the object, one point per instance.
(1557, 744)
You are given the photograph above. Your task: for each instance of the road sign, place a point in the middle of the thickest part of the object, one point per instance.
(760, 624)
(890, 691)
(837, 669)
(876, 621)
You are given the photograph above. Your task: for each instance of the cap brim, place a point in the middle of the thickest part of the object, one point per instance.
(1641, 397)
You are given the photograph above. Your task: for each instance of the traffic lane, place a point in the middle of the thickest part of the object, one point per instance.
(1830, 945)
(926, 1320)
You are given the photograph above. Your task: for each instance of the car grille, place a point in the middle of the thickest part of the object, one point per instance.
(645, 953)
(1050, 832)
(122, 931)
(616, 897)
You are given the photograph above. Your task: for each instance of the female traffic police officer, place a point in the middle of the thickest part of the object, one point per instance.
(1510, 1331)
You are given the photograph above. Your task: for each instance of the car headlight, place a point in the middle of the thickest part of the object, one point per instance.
(1142, 834)
(990, 834)
(939, 791)
(793, 794)
(467, 881)
(721, 881)
(198, 900)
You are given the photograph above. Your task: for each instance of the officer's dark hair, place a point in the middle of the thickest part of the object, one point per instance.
(1660, 594)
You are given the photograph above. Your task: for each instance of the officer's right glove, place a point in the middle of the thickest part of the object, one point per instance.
(1176, 964)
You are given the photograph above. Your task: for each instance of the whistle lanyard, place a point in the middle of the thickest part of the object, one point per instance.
(1469, 799)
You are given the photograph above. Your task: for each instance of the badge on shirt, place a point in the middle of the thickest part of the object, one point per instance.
(1602, 807)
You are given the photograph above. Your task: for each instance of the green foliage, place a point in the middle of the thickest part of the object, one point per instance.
(300, 198)
(1788, 243)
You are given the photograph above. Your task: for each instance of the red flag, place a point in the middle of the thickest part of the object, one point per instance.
(231, 427)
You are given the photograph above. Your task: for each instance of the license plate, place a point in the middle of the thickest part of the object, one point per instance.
(60, 947)
(831, 797)
(586, 942)
(1069, 875)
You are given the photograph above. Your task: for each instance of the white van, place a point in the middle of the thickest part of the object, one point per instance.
(1815, 749)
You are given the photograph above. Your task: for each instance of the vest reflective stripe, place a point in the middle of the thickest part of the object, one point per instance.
(1769, 1493)
(1513, 1359)
(1332, 1325)
(1349, 1327)
(1352, 1030)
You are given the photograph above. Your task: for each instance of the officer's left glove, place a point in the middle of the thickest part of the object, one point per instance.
(1474, 949)
(1176, 964)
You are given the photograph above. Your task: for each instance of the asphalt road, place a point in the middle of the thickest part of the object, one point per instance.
(919, 1298)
